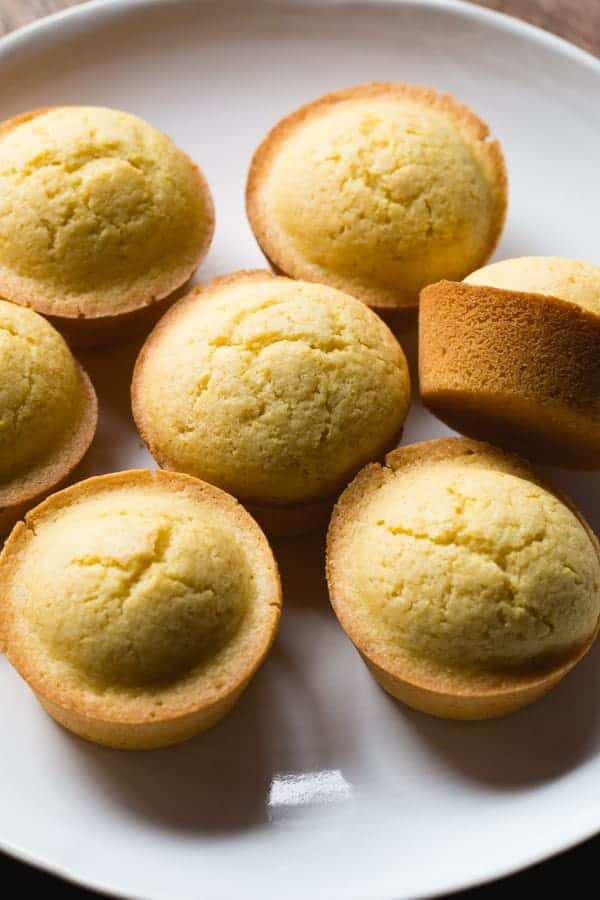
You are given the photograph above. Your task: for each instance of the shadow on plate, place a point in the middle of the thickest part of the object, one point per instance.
(111, 369)
(218, 781)
(301, 563)
(536, 744)
(410, 344)
(238, 775)
(116, 443)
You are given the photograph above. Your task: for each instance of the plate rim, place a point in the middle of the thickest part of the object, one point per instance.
(97, 11)
(468, 8)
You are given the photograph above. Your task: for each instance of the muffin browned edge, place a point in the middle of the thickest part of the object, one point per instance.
(278, 520)
(141, 313)
(396, 312)
(446, 694)
(29, 488)
(519, 369)
(146, 729)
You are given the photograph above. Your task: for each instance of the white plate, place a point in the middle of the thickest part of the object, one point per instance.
(317, 785)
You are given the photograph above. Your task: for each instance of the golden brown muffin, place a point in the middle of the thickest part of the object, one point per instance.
(469, 586)
(378, 190)
(138, 606)
(276, 390)
(512, 354)
(48, 411)
(102, 217)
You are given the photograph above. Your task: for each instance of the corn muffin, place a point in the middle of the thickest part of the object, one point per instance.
(468, 585)
(275, 390)
(138, 605)
(512, 355)
(378, 190)
(48, 411)
(102, 217)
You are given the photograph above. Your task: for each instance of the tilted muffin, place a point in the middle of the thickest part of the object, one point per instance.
(102, 217)
(48, 411)
(512, 355)
(276, 390)
(467, 584)
(137, 606)
(378, 190)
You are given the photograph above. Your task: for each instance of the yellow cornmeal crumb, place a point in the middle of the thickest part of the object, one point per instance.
(568, 279)
(96, 206)
(41, 392)
(275, 390)
(131, 587)
(472, 567)
(384, 193)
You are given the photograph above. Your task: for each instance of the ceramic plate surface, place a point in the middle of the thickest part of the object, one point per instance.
(317, 785)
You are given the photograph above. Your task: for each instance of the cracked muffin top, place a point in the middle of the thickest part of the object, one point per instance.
(379, 190)
(275, 390)
(455, 557)
(100, 213)
(47, 406)
(133, 583)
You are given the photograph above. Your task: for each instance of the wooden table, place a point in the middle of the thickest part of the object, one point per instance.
(576, 20)
(579, 22)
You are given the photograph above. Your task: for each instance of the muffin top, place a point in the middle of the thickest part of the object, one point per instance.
(275, 390)
(41, 391)
(100, 213)
(379, 190)
(568, 279)
(463, 563)
(135, 580)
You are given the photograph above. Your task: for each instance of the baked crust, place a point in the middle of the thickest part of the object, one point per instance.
(134, 721)
(277, 520)
(29, 488)
(130, 316)
(521, 370)
(284, 261)
(441, 692)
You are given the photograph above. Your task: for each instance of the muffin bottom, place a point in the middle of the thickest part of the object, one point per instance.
(549, 432)
(520, 370)
(140, 735)
(471, 699)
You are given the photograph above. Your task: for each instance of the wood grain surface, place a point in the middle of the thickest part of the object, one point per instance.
(576, 20)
